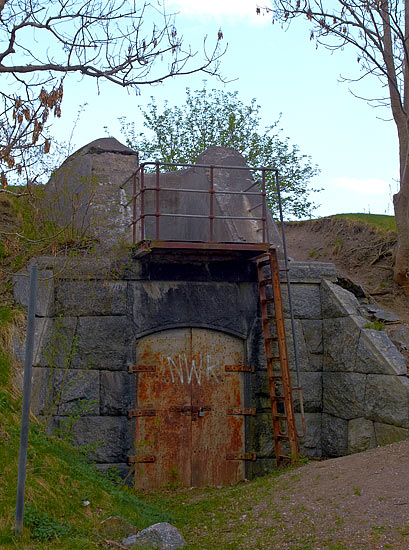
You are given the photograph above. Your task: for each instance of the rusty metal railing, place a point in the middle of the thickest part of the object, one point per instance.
(140, 217)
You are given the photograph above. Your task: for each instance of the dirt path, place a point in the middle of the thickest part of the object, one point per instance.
(358, 502)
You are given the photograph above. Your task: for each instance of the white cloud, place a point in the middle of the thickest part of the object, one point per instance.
(237, 9)
(369, 186)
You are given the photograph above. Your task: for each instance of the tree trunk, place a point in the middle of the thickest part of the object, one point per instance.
(401, 205)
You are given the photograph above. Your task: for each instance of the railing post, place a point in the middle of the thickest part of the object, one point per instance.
(134, 209)
(142, 203)
(264, 206)
(211, 212)
(157, 211)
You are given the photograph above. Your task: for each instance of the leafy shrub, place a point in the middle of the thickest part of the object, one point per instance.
(44, 527)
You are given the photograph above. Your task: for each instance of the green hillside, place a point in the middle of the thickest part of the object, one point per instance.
(59, 479)
(386, 223)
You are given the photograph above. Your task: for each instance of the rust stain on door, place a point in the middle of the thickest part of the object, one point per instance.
(191, 434)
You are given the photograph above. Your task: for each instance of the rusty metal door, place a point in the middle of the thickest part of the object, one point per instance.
(189, 409)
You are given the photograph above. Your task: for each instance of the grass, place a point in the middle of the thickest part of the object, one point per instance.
(59, 480)
(381, 221)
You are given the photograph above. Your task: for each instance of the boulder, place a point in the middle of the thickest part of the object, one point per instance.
(160, 536)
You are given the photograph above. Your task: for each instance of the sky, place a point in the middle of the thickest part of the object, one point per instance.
(356, 150)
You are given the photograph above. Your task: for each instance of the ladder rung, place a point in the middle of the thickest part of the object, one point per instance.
(277, 398)
(267, 300)
(275, 378)
(269, 320)
(264, 260)
(280, 416)
(265, 282)
(283, 437)
(275, 359)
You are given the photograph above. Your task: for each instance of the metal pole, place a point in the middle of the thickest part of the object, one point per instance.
(290, 304)
(25, 416)
(211, 213)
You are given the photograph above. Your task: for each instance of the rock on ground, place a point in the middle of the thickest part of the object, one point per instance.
(160, 536)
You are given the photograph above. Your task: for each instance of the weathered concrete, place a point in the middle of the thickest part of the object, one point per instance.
(171, 304)
(386, 433)
(356, 393)
(86, 192)
(106, 438)
(103, 343)
(344, 394)
(45, 291)
(361, 435)
(376, 354)
(334, 436)
(386, 399)
(341, 336)
(337, 302)
(84, 298)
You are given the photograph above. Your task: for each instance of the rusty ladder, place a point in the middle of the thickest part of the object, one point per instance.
(279, 381)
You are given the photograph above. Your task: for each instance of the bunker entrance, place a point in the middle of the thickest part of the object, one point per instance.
(189, 409)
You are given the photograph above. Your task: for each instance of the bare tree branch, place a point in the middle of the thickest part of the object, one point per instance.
(125, 42)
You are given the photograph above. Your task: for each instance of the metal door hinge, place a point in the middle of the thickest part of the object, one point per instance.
(239, 368)
(241, 456)
(141, 368)
(141, 459)
(141, 412)
(238, 410)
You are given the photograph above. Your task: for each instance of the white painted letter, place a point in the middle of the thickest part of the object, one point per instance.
(210, 368)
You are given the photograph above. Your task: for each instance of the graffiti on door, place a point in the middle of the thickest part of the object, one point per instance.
(182, 369)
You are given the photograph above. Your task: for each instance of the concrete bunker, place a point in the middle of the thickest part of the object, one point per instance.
(120, 334)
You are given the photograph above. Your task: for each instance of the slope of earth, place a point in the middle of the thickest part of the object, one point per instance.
(357, 502)
(360, 251)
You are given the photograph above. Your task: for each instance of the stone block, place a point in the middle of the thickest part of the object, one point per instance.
(386, 399)
(117, 392)
(344, 394)
(337, 302)
(84, 298)
(44, 295)
(54, 342)
(42, 390)
(311, 384)
(302, 354)
(386, 433)
(108, 438)
(313, 335)
(310, 444)
(361, 435)
(225, 306)
(75, 268)
(316, 362)
(311, 272)
(400, 337)
(305, 299)
(261, 467)
(341, 337)
(334, 436)
(376, 354)
(103, 343)
(76, 392)
(263, 436)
